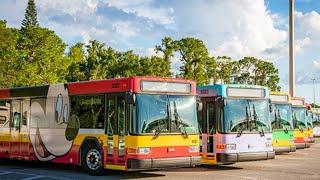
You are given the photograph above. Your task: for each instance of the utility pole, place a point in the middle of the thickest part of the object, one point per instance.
(314, 92)
(292, 83)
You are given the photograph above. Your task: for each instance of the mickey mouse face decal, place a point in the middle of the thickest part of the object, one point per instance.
(54, 133)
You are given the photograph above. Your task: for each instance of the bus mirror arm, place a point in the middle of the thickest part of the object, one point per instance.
(270, 106)
(130, 98)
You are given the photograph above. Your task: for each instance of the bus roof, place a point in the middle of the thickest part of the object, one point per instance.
(233, 90)
(280, 97)
(134, 84)
(298, 101)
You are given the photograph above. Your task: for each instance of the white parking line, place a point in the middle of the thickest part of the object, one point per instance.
(34, 176)
(236, 176)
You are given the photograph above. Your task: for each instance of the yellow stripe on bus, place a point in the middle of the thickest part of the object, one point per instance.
(162, 140)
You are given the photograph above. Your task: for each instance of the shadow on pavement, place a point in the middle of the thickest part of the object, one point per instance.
(43, 167)
(205, 168)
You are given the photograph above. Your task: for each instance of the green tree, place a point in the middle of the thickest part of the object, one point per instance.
(155, 66)
(259, 72)
(167, 47)
(41, 57)
(30, 18)
(8, 55)
(226, 69)
(76, 57)
(194, 57)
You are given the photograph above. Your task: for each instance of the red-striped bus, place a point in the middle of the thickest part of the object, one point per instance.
(125, 124)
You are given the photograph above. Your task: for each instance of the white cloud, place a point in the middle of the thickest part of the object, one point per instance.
(125, 29)
(144, 9)
(234, 28)
(308, 29)
(316, 64)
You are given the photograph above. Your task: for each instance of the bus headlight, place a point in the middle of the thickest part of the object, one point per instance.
(142, 151)
(268, 144)
(193, 149)
(231, 147)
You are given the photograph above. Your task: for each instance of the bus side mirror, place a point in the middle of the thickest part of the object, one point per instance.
(199, 104)
(130, 98)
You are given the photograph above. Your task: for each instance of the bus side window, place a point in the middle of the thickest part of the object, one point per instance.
(121, 117)
(5, 113)
(25, 112)
(16, 115)
(111, 118)
(89, 109)
(210, 118)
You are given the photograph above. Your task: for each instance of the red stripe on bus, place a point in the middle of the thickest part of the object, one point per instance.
(4, 93)
(165, 152)
(103, 86)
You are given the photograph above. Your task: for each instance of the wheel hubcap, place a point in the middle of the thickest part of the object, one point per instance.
(93, 159)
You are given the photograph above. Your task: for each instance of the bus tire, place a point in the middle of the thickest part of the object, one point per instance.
(92, 159)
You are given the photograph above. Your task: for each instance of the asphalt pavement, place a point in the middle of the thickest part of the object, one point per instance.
(303, 164)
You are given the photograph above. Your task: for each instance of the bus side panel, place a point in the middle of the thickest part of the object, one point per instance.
(4, 142)
(316, 131)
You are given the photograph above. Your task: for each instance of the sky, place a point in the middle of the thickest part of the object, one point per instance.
(235, 28)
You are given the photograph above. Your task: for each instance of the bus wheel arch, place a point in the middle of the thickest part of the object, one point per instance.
(91, 156)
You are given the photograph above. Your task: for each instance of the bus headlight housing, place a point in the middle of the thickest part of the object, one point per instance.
(231, 146)
(268, 144)
(140, 150)
(193, 149)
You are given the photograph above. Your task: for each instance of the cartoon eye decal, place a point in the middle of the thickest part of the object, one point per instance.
(59, 105)
(65, 113)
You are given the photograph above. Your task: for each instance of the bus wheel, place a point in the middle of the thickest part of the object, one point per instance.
(92, 159)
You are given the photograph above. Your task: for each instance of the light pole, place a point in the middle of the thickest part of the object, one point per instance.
(291, 49)
(314, 92)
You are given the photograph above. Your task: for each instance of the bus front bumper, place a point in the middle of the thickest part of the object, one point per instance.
(158, 163)
(302, 145)
(239, 157)
(284, 149)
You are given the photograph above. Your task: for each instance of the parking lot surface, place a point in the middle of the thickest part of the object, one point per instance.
(303, 164)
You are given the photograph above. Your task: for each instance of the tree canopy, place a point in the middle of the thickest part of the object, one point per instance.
(30, 18)
(34, 55)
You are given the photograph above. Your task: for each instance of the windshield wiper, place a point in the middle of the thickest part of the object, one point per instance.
(179, 120)
(157, 133)
(247, 120)
(256, 119)
(241, 131)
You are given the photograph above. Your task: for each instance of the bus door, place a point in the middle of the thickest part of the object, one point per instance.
(24, 131)
(208, 125)
(115, 130)
(19, 144)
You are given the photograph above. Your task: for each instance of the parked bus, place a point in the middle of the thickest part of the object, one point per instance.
(299, 113)
(310, 124)
(235, 124)
(282, 124)
(316, 122)
(124, 124)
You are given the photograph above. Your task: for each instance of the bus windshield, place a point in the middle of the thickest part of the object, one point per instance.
(281, 116)
(316, 119)
(246, 115)
(165, 114)
(299, 116)
(309, 120)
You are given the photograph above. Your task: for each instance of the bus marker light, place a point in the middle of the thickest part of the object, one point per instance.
(220, 146)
